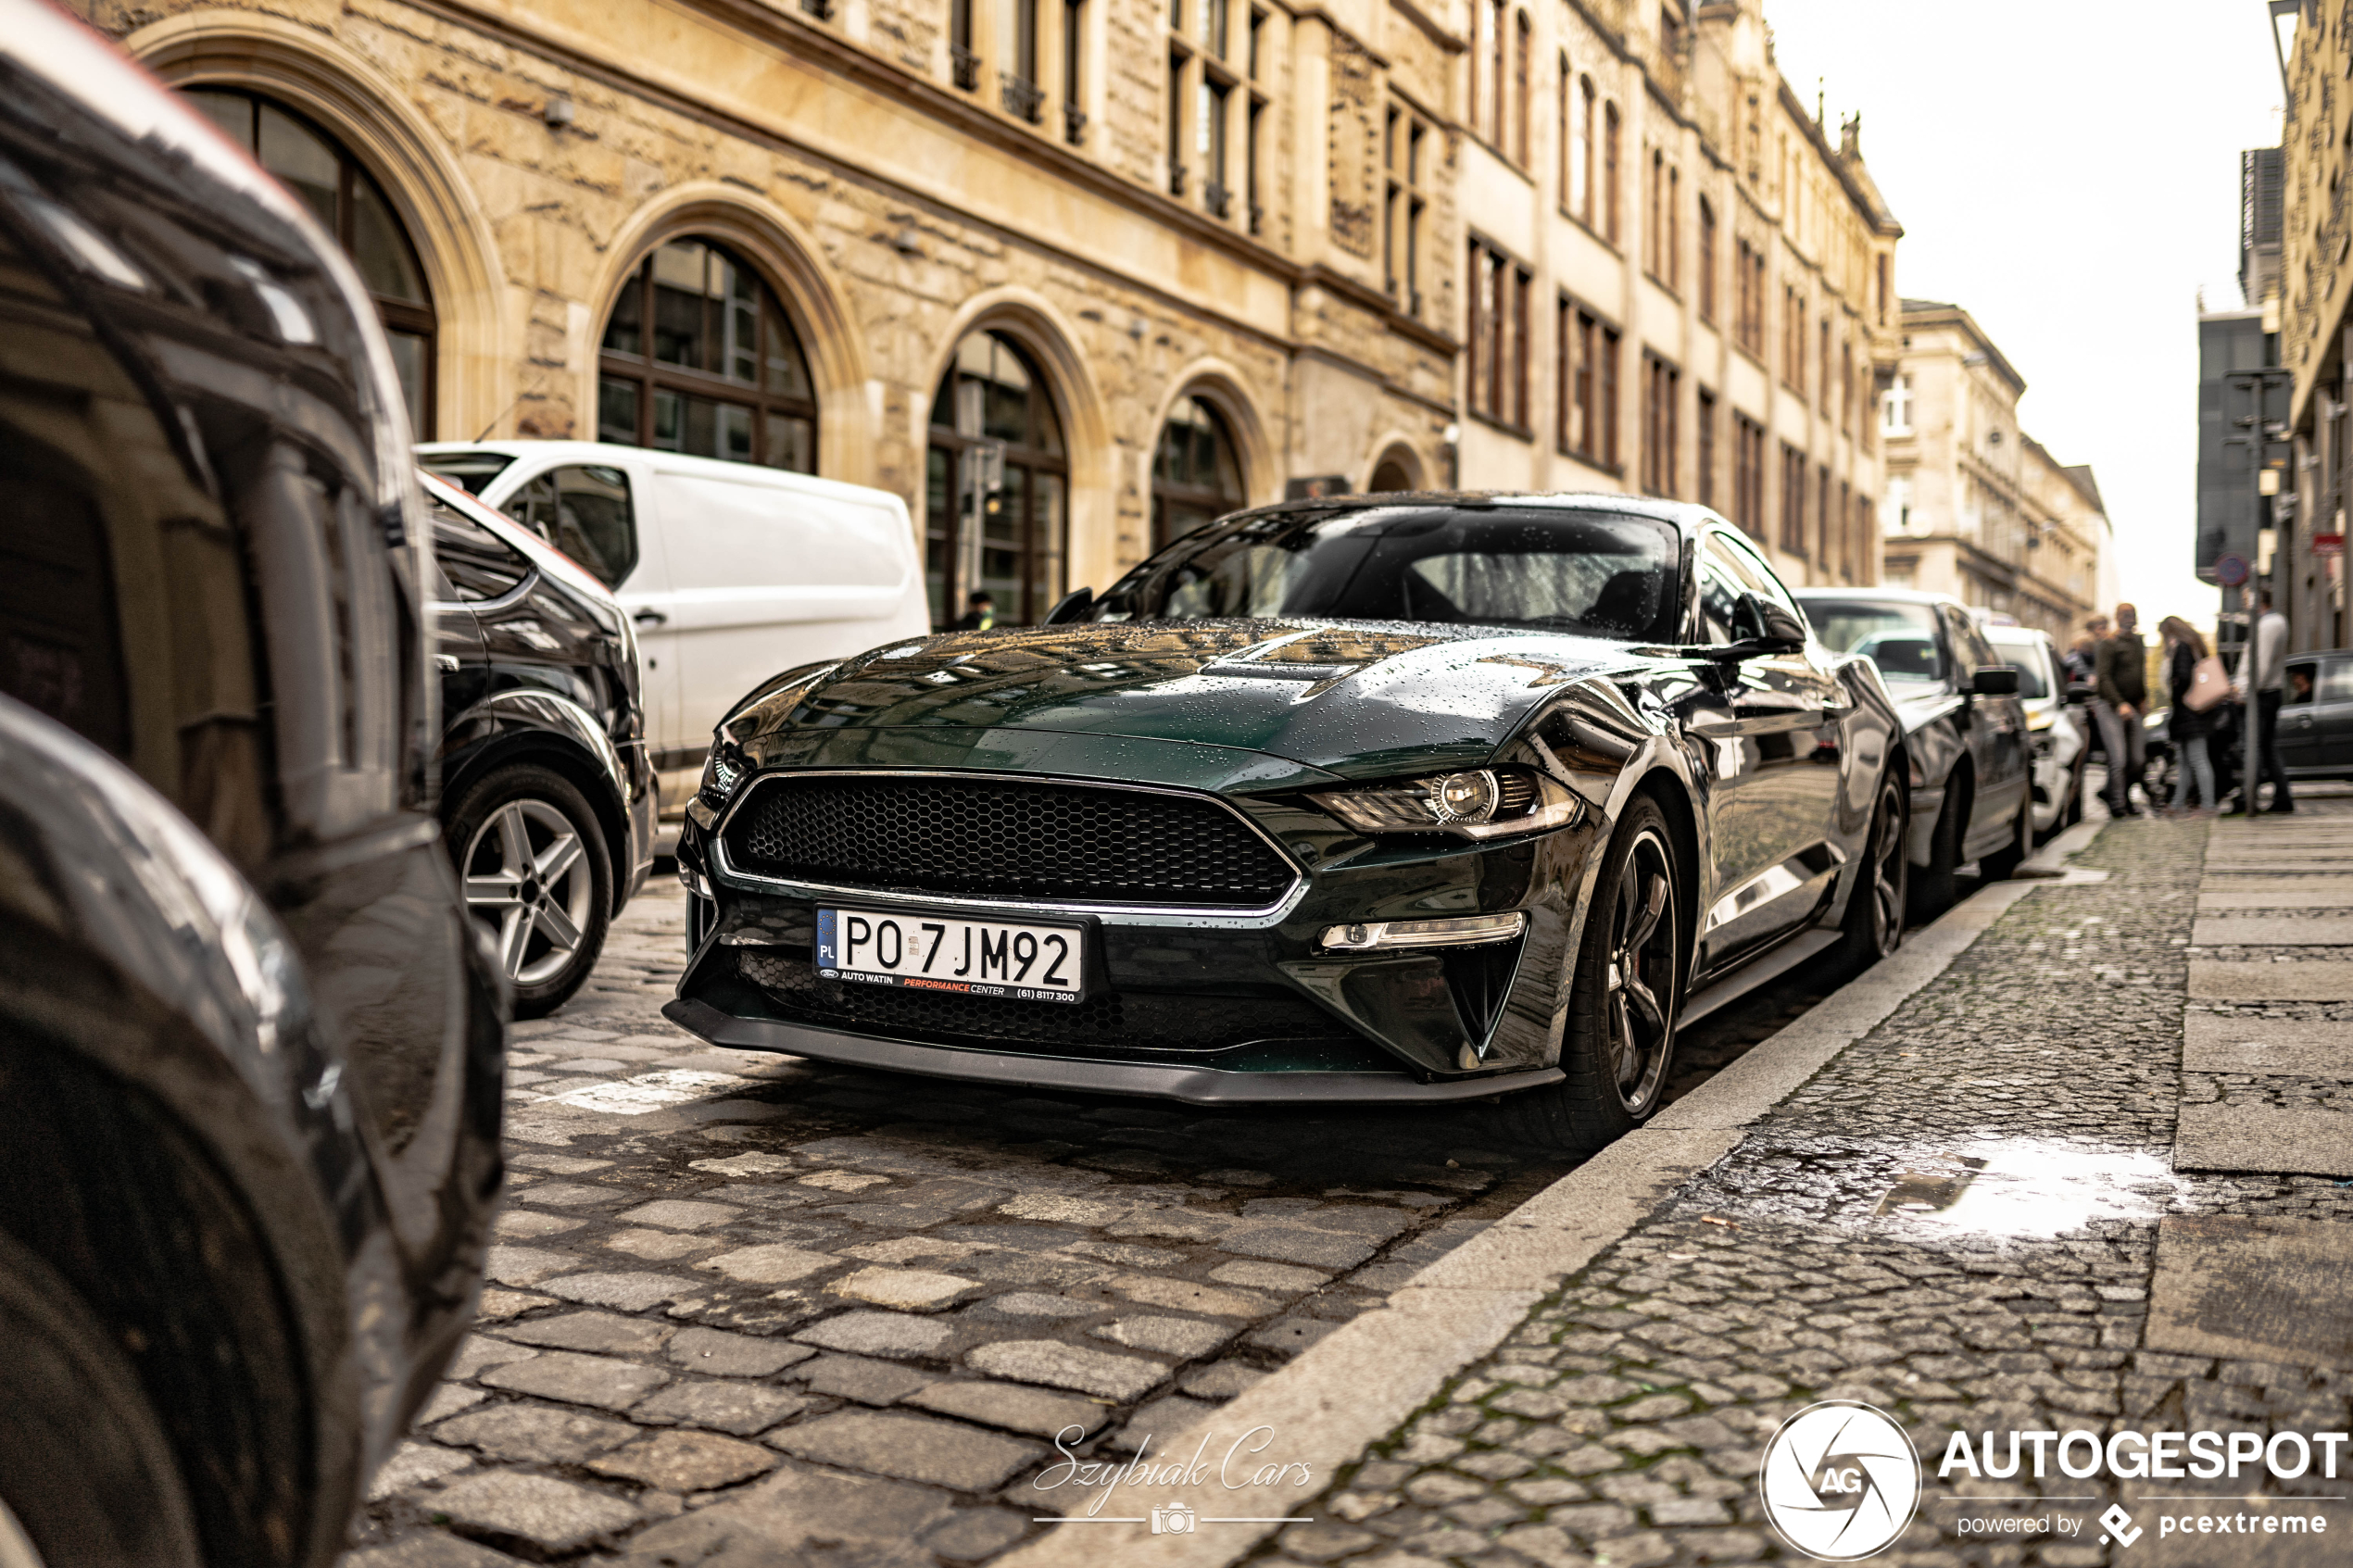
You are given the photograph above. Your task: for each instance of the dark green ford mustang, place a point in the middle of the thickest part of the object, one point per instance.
(1422, 798)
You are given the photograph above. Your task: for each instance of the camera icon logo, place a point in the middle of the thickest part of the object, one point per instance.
(1173, 1518)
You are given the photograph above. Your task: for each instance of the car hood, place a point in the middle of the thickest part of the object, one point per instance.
(1357, 699)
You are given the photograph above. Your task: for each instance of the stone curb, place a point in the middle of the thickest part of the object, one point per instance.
(1358, 1385)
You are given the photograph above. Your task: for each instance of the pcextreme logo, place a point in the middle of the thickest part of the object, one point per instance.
(1840, 1481)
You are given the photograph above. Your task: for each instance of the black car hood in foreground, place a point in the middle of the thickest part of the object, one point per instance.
(1350, 698)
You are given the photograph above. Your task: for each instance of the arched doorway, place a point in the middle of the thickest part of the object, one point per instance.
(350, 203)
(996, 482)
(699, 357)
(1396, 470)
(1196, 476)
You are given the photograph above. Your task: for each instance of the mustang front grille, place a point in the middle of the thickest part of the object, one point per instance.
(1005, 838)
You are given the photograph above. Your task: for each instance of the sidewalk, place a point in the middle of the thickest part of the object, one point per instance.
(2011, 1204)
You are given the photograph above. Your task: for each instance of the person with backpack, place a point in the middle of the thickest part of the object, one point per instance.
(2191, 722)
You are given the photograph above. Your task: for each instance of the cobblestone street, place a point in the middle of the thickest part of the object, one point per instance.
(858, 1305)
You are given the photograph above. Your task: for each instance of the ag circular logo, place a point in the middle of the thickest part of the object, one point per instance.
(1841, 1481)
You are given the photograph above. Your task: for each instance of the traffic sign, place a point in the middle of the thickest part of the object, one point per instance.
(2328, 544)
(2231, 571)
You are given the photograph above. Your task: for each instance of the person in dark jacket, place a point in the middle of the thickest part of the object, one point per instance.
(2120, 674)
(2187, 727)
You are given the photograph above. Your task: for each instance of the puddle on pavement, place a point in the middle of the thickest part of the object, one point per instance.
(2030, 1187)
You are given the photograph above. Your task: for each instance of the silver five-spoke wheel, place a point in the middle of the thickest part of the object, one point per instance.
(1642, 971)
(527, 881)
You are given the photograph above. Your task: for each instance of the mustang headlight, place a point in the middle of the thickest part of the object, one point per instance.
(722, 776)
(1476, 803)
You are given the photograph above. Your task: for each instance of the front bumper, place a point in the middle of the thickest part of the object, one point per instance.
(1211, 1007)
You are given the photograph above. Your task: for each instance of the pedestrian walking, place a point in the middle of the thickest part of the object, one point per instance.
(2262, 672)
(2120, 673)
(2190, 720)
(980, 614)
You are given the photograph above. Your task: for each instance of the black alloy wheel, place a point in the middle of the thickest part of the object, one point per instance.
(1875, 909)
(2002, 864)
(1626, 991)
(87, 1474)
(537, 881)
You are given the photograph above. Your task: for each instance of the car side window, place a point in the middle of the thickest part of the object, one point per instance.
(1720, 587)
(477, 564)
(2303, 674)
(2336, 680)
(585, 511)
(1760, 576)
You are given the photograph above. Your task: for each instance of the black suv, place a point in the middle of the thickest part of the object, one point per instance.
(547, 794)
(250, 1051)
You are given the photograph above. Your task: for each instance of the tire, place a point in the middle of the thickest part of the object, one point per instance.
(1932, 885)
(546, 926)
(1618, 1039)
(2002, 863)
(1875, 909)
(85, 1468)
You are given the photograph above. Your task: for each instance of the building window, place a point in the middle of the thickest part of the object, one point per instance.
(996, 482)
(1793, 500)
(1216, 97)
(1847, 385)
(1675, 228)
(1864, 512)
(1704, 455)
(1749, 302)
(1655, 218)
(1706, 262)
(1178, 60)
(1823, 364)
(1610, 202)
(1196, 479)
(1497, 42)
(1523, 44)
(1826, 540)
(1201, 84)
(1662, 391)
(1587, 355)
(1498, 358)
(1895, 410)
(1255, 151)
(1895, 508)
(699, 357)
(1074, 77)
(351, 206)
(1793, 340)
(1580, 160)
(1848, 541)
(963, 60)
(1882, 259)
(1402, 148)
(1748, 476)
(1017, 61)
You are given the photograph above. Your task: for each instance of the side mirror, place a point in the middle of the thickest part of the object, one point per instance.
(1762, 627)
(1073, 606)
(2080, 693)
(1994, 680)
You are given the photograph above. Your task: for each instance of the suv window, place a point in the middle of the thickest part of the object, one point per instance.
(475, 563)
(583, 509)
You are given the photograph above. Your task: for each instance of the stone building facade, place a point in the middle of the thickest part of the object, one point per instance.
(1974, 507)
(1145, 230)
(1676, 281)
(2309, 298)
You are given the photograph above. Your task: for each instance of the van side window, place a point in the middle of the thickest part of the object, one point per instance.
(583, 509)
(477, 564)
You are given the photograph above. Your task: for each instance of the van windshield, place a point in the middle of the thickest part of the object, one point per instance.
(472, 471)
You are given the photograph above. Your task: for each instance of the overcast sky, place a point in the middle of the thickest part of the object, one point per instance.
(2068, 173)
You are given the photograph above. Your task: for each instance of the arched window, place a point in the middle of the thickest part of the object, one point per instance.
(1195, 477)
(699, 357)
(1610, 204)
(349, 201)
(997, 481)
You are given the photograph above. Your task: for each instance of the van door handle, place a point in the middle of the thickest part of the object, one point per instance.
(650, 617)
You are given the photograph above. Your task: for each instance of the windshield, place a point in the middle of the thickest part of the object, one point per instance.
(2026, 657)
(474, 470)
(1899, 638)
(1602, 574)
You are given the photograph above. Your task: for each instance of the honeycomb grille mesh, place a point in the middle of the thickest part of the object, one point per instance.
(1007, 839)
(1108, 1021)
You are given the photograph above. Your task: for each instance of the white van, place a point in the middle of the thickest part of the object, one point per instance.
(732, 571)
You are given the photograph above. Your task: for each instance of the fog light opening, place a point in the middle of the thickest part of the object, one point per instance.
(1461, 931)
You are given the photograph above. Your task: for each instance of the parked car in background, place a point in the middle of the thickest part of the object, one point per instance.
(1405, 798)
(731, 571)
(250, 1052)
(546, 791)
(1964, 727)
(2054, 725)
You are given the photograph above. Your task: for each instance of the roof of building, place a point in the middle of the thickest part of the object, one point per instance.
(1935, 312)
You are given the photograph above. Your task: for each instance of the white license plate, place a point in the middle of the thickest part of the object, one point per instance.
(978, 958)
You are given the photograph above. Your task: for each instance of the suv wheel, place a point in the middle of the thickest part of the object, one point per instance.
(87, 1474)
(537, 880)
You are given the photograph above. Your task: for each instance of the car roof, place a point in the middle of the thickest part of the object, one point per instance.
(1684, 515)
(1882, 596)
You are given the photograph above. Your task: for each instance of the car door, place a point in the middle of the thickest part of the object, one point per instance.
(600, 514)
(2302, 742)
(1994, 734)
(1777, 769)
(2335, 718)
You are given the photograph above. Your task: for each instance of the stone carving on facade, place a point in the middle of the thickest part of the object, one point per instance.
(1355, 147)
